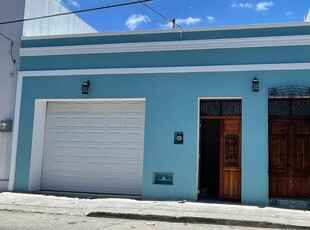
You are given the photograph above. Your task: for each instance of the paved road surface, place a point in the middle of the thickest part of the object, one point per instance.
(33, 221)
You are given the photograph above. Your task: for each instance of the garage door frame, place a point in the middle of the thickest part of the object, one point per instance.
(38, 135)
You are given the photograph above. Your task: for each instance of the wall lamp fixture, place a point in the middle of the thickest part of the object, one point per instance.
(255, 85)
(85, 87)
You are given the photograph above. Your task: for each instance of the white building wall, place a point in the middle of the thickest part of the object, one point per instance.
(68, 24)
(12, 10)
(307, 17)
(9, 10)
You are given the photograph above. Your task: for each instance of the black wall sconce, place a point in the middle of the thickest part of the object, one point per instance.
(85, 87)
(255, 84)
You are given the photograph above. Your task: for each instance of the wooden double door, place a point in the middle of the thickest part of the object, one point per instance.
(220, 157)
(289, 157)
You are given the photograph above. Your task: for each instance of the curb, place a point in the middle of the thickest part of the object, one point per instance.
(193, 220)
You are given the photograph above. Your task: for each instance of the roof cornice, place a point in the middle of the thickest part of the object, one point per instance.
(253, 42)
(202, 29)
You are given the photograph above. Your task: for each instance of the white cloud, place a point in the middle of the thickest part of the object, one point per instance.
(211, 19)
(188, 21)
(289, 13)
(245, 5)
(259, 7)
(263, 6)
(135, 19)
(74, 3)
(168, 25)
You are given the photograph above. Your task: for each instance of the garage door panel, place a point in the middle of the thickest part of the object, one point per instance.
(56, 151)
(134, 107)
(129, 183)
(95, 136)
(55, 181)
(79, 122)
(61, 183)
(58, 121)
(98, 108)
(114, 137)
(132, 137)
(132, 153)
(80, 108)
(78, 136)
(114, 122)
(94, 147)
(113, 152)
(94, 152)
(132, 169)
(56, 136)
(97, 122)
(59, 108)
(115, 107)
(76, 151)
(133, 122)
(53, 167)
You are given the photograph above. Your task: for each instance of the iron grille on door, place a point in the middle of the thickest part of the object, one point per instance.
(289, 107)
(220, 108)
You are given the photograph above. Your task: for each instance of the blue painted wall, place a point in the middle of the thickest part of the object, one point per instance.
(171, 105)
(173, 58)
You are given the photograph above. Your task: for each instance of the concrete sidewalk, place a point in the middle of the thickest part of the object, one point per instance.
(190, 212)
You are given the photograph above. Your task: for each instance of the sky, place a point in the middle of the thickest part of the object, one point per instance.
(188, 13)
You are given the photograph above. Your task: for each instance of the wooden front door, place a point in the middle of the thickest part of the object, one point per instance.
(220, 144)
(289, 157)
(230, 160)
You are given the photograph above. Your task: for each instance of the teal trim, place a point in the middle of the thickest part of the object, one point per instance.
(287, 30)
(23, 161)
(265, 55)
(171, 105)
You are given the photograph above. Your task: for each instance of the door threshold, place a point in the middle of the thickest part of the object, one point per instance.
(303, 204)
(217, 201)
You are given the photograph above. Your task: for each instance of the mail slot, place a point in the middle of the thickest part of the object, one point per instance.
(163, 178)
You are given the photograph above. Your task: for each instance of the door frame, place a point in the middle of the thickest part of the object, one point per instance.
(199, 137)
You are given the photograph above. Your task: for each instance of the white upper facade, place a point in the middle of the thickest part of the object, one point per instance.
(307, 17)
(67, 24)
(10, 39)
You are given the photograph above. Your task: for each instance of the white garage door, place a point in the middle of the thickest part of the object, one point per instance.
(94, 147)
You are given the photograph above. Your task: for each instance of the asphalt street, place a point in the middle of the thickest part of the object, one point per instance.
(32, 221)
(142, 213)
